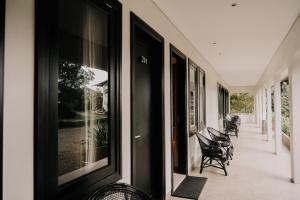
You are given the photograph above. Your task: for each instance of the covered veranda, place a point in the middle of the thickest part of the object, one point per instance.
(255, 173)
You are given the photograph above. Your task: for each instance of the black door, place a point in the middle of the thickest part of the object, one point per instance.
(178, 95)
(147, 111)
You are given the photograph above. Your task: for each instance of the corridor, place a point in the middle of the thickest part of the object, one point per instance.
(254, 173)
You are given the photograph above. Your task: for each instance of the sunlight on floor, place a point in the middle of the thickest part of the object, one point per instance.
(254, 173)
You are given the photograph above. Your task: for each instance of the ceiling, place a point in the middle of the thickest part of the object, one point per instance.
(246, 36)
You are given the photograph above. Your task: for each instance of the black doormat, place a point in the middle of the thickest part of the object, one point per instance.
(190, 187)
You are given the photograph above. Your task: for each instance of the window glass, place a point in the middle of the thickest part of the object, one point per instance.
(193, 98)
(202, 100)
(83, 90)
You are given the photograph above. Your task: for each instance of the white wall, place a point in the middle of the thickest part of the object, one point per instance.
(19, 90)
(152, 15)
(18, 100)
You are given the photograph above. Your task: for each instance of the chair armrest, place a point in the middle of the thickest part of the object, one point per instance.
(215, 144)
(213, 151)
(223, 138)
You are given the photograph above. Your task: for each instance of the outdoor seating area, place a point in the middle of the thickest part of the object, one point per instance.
(266, 179)
(149, 100)
(218, 149)
(232, 125)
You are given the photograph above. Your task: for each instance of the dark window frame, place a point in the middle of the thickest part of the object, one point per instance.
(2, 27)
(46, 118)
(223, 101)
(198, 70)
(194, 66)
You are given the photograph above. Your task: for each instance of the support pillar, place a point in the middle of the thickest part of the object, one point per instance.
(277, 107)
(264, 104)
(260, 107)
(269, 113)
(257, 108)
(294, 81)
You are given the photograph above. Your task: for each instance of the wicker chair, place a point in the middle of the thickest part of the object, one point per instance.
(212, 151)
(118, 191)
(231, 127)
(223, 139)
(236, 119)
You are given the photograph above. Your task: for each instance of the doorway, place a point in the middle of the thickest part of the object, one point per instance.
(147, 109)
(179, 116)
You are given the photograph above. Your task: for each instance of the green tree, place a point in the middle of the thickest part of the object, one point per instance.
(285, 111)
(71, 81)
(241, 103)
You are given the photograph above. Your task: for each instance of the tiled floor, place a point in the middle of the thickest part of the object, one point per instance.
(177, 179)
(255, 173)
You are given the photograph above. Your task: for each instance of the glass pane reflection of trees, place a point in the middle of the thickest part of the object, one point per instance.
(83, 90)
(83, 112)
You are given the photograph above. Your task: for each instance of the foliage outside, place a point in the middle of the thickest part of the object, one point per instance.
(241, 103)
(285, 112)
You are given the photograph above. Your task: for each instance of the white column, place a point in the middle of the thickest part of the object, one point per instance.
(257, 108)
(264, 107)
(277, 107)
(264, 103)
(260, 107)
(294, 81)
(269, 113)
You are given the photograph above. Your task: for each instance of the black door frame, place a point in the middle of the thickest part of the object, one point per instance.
(136, 22)
(2, 27)
(174, 50)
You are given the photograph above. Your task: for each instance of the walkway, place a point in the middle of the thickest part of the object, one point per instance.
(256, 173)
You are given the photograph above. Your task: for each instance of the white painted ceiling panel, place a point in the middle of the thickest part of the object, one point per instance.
(246, 35)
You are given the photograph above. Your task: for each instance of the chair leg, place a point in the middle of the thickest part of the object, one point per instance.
(210, 161)
(202, 163)
(224, 168)
(228, 157)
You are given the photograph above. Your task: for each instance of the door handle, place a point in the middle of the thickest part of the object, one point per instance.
(137, 136)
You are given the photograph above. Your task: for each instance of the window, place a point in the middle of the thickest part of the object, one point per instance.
(78, 102)
(197, 99)
(202, 100)
(193, 96)
(223, 101)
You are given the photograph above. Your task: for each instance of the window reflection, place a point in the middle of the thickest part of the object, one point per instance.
(193, 98)
(83, 90)
(202, 103)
